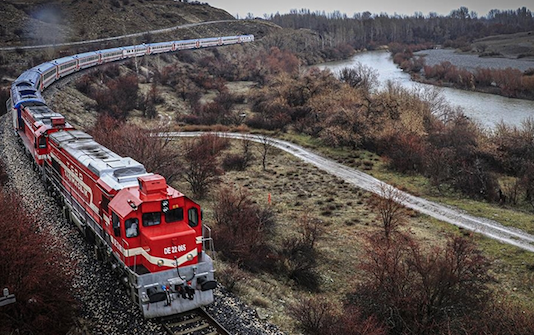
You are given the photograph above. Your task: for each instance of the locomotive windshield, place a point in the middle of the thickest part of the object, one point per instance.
(151, 219)
(174, 215)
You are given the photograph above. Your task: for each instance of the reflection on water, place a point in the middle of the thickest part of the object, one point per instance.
(488, 109)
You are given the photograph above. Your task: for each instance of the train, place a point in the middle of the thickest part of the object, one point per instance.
(152, 235)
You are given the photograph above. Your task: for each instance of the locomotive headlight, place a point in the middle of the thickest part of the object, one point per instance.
(160, 263)
(189, 257)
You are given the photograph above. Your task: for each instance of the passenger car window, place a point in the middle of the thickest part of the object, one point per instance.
(151, 219)
(174, 215)
(193, 217)
(131, 226)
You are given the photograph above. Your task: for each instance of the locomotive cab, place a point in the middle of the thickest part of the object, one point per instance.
(158, 223)
(157, 233)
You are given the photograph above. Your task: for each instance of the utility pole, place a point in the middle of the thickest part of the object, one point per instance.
(7, 298)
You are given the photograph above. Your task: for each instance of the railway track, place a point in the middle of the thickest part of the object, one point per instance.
(194, 322)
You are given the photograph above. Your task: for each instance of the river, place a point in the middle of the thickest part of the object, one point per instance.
(487, 109)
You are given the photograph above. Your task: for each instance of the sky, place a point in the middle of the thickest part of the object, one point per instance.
(391, 7)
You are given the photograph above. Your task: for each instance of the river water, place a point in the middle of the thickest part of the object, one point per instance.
(487, 109)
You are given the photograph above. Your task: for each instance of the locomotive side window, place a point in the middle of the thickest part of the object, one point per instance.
(116, 225)
(193, 217)
(151, 219)
(104, 204)
(42, 142)
(56, 165)
(174, 215)
(132, 227)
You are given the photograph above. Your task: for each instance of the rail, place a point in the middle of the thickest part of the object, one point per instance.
(194, 322)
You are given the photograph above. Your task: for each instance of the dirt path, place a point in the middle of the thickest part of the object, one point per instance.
(369, 183)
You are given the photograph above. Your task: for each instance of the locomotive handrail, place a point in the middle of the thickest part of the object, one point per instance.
(123, 256)
(208, 239)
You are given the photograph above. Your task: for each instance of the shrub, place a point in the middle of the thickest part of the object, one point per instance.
(230, 276)
(157, 154)
(422, 290)
(84, 83)
(234, 162)
(299, 255)
(36, 272)
(4, 95)
(200, 163)
(242, 228)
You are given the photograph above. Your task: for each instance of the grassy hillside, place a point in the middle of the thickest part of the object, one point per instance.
(38, 22)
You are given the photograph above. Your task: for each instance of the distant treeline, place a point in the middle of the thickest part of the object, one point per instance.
(369, 30)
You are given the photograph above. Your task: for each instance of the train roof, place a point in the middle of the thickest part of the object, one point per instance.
(86, 54)
(161, 43)
(43, 114)
(28, 78)
(115, 171)
(27, 95)
(63, 60)
(42, 68)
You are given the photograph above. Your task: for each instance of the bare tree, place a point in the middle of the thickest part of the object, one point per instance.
(391, 211)
(201, 162)
(265, 147)
(359, 76)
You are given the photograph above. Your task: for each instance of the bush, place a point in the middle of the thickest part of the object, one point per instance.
(84, 83)
(422, 290)
(315, 315)
(157, 154)
(234, 162)
(119, 97)
(36, 272)
(4, 95)
(242, 228)
(200, 163)
(299, 256)
(230, 276)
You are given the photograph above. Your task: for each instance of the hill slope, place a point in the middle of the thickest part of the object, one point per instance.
(57, 21)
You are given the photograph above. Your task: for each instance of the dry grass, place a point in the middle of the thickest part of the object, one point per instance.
(509, 45)
(296, 188)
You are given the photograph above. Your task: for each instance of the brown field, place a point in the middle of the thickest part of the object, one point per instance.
(517, 45)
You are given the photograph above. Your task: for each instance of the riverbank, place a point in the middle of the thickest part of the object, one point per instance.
(487, 109)
(511, 78)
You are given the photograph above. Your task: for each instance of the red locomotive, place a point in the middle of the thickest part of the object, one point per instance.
(150, 233)
(36, 124)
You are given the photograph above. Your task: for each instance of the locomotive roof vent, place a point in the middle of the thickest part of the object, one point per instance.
(152, 184)
(58, 120)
